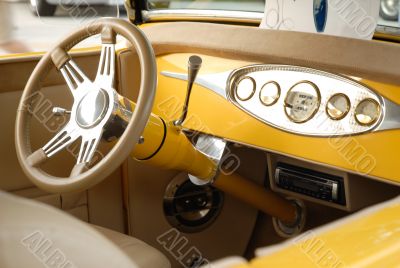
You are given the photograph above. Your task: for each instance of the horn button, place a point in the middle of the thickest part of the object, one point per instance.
(92, 108)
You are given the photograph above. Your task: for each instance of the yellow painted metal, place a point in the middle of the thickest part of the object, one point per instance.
(387, 37)
(257, 196)
(178, 153)
(153, 134)
(166, 146)
(211, 113)
(153, 137)
(369, 240)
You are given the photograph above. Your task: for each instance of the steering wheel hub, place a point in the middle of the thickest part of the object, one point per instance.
(92, 108)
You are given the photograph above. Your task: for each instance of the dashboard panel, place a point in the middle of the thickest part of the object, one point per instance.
(371, 153)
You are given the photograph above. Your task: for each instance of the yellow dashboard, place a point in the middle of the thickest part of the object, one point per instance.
(372, 154)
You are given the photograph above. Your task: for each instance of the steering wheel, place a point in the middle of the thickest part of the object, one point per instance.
(95, 105)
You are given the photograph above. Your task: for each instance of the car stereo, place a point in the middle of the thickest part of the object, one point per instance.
(311, 183)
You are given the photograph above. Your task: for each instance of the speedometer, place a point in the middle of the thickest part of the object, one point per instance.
(302, 101)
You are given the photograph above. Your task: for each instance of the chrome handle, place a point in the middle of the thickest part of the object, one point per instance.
(58, 111)
(194, 65)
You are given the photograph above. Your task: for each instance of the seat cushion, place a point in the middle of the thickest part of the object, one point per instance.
(138, 251)
(35, 235)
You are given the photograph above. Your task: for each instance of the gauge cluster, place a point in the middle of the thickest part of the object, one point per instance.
(305, 101)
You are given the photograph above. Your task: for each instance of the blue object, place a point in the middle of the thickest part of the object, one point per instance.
(320, 14)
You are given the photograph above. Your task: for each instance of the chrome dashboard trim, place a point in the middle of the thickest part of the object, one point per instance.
(215, 82)
(391, 119)
(220, 83)
(387, 30)
(201, 15)
(321, 125)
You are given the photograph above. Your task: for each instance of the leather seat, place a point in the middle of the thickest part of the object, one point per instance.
(36, 235)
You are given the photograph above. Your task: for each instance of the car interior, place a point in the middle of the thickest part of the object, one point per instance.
(200, 140)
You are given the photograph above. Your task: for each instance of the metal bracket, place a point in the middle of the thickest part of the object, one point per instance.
(214, 149)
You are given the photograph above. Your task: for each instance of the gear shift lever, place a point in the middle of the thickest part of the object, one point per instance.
(194, 65)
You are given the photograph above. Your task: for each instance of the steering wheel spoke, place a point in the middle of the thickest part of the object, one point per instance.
(106, 70)
(60, 141)
(88, 147)
(74, 77)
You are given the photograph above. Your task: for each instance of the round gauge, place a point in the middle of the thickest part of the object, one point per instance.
(367, 112)
(245, 88)
(302, 102)
(338, 106)
(270, 93)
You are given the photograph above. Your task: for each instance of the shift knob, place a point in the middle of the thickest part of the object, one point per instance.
(194, 65)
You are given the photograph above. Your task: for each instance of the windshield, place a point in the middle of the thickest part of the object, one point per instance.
(243, 5)
(37, 24)
(388, 9)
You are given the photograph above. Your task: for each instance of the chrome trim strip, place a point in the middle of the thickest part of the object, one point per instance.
(387, 30)
(215, 82)
(391, 116)
(201, 15)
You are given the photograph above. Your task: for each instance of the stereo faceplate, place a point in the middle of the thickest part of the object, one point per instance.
(308, 182)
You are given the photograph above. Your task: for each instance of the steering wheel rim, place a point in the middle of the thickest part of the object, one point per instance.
(80, 179)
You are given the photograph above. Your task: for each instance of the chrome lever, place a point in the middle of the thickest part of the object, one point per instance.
(58, 111)
(194, 65)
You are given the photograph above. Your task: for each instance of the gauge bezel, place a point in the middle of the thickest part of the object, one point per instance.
(347, 108)
(253, 90)
(279, 93)
(373, 121)
(318, 102)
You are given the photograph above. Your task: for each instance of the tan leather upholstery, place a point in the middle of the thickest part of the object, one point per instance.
(36, 235)
(378, 61)
(141, 254)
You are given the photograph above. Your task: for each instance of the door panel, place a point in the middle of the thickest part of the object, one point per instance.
(104, 200)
